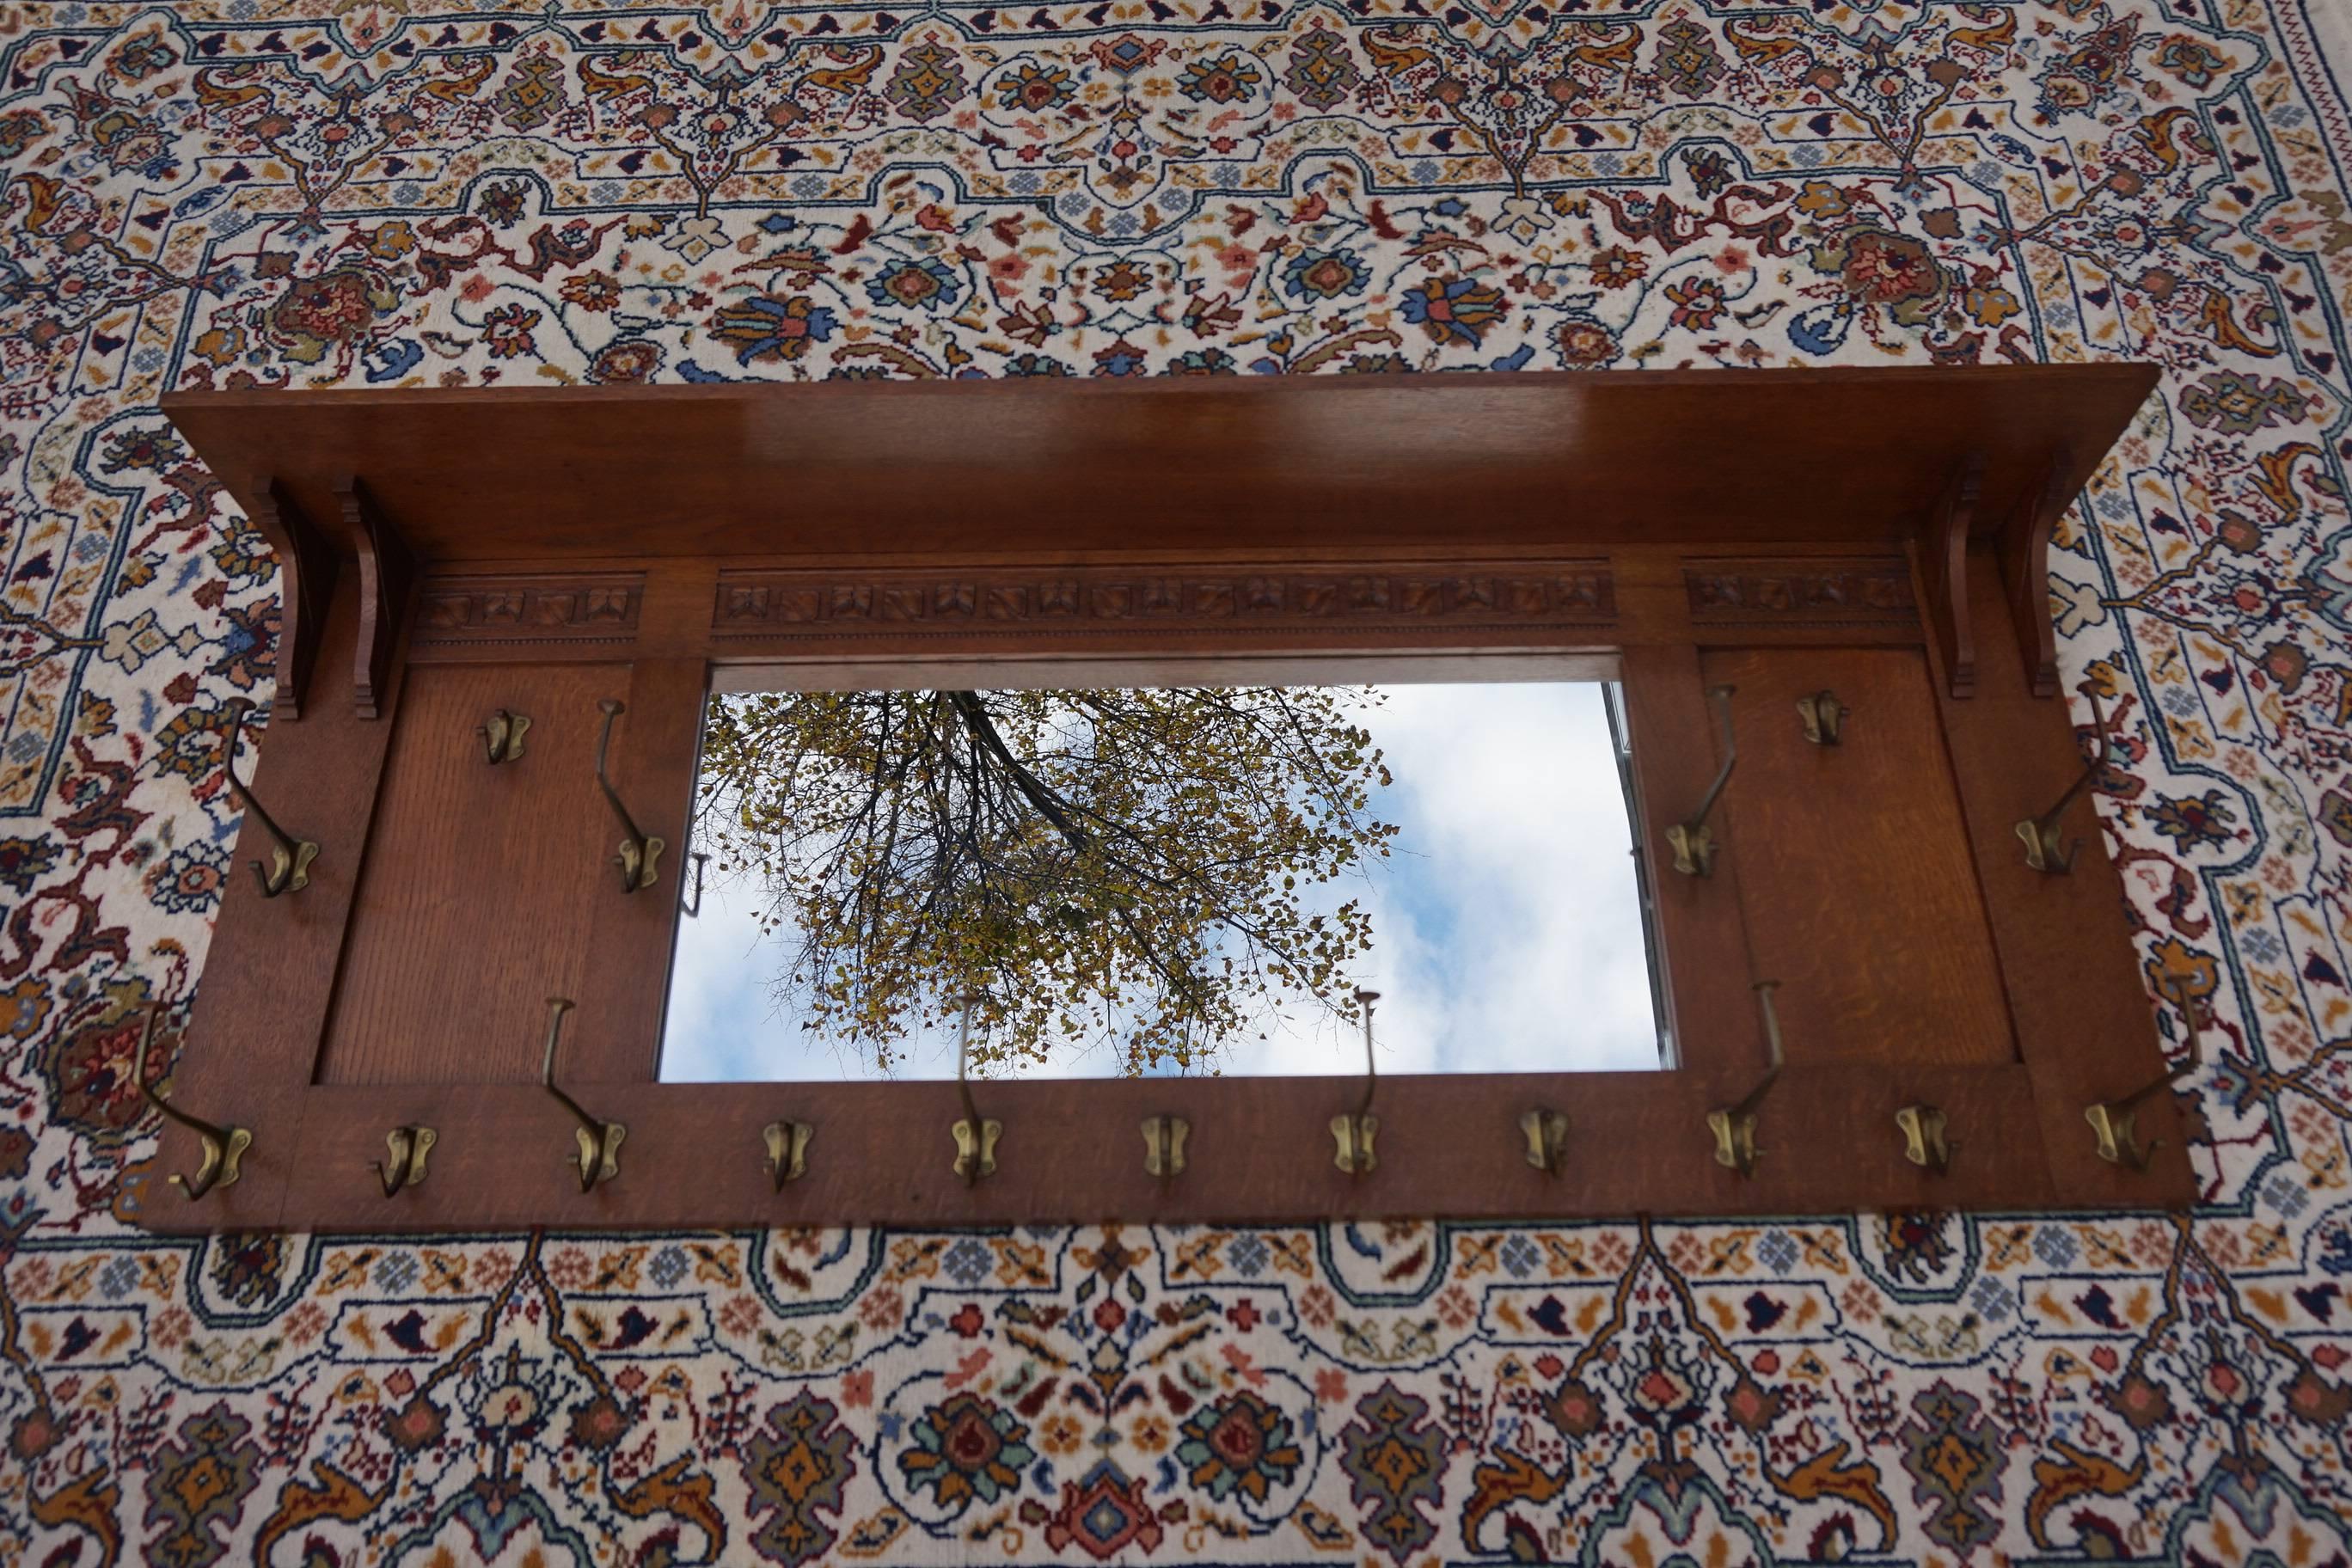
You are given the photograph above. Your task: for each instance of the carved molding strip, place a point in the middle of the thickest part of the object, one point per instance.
(787, 604)
(1817, 593)
(600, 608)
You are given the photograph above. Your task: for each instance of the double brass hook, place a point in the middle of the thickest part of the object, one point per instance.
(408, 1145)
(1735, 1126)
(2046, 849)
(1163, 1145)
(1692, 841)
(976, 1139)
(1353, 1132)
(787, 1144)
(599, 1141)
(290, 858)
(223, 1146)
(1823, 717)
(1546, 1131)
(2115, 1122)
(1926, 1137)
(638, 856)
(502, 735)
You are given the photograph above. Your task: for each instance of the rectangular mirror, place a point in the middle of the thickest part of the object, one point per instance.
(1158, 869)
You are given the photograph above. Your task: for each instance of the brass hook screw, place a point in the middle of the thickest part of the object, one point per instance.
(639, 856)
(290, 858)
(1163, 1145)
(223, 1147)
(1823, 717)
(408, 1145)
(599, 1156)
(787, 1144)
(1693, 840)
(2115, 1122)
(1353, 1132)
(501, 737)
(976, 1139)
(2046, 849)
(1734, 1127)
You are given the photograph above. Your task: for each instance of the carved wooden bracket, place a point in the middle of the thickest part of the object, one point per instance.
(308, 562)
(1944, 563)
(2022, 549)
(2025, 572)
(386, 571)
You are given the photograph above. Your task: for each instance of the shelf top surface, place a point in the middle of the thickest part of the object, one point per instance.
(1051, 467)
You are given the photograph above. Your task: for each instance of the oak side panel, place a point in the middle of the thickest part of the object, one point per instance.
(1704, 947)
(482, 881)
(1855, 874)
(262, 999)
(2085, 1025)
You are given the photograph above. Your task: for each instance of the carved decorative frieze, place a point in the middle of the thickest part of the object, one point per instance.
(786, 604)
(1815, 593)
(600, 608)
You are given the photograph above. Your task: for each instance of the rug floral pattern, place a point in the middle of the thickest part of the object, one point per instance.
(233, 192)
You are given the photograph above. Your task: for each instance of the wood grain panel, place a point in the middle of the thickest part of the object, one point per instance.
(1259, 1152)
(1860, 894)
(482, 883)
(825, 468)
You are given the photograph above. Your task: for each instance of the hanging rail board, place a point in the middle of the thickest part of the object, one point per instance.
(378, 1035)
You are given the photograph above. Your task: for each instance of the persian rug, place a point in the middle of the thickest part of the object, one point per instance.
(234, 192)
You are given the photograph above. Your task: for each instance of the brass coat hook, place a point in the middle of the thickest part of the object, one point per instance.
(224, 1147)
(1735, 1126)
(1823, 717)
(2046, 849)
(2115, 1122)
(975, 1140)
(409, 1145)
(1163, 1145)
(1926, 1137)
(1353, 1132)
(290, 858)
(502, 736)
(694, 910)
(599, 1156)
(1546, 1131)
(787, 1143)
(639, 855)
(1692, 841)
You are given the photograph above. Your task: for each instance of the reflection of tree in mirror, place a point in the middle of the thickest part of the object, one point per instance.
(1124, 868)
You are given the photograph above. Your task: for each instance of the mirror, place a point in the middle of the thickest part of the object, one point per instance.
(1163, 879)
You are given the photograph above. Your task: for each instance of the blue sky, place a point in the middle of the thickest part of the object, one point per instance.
(1506, 937)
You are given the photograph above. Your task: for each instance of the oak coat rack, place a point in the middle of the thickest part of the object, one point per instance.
(469, 574)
